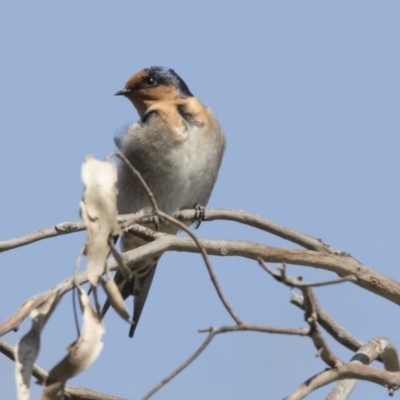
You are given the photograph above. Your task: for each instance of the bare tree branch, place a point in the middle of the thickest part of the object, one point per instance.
(310, 314)
(248, 327)
(57, 230)
(347, 371)
(257, 221)
(239, 216)
(343, 265)
(13, 322)
(375, 348)
(340, 334)
(320, 344)
(44, 233)
(317, 255)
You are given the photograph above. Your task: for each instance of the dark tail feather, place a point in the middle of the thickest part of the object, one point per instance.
(140, 300)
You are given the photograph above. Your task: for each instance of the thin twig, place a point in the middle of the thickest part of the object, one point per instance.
(328, 282)
(339, 333)
(138, 175)
(323, 350)
(297, 282)
(310, 313)
(248, 327)
(174, 373)
(210, 269)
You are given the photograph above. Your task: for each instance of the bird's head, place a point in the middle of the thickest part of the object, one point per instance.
(152, 85)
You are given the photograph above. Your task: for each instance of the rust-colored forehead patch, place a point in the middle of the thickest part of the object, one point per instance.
(136, 78)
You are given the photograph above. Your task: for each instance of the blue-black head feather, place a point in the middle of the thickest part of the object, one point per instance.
(168, 77)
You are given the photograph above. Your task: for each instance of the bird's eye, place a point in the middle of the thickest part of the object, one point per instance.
(150, 81)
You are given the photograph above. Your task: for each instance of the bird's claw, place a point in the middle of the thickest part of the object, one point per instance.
(157, 221)
(199, 215)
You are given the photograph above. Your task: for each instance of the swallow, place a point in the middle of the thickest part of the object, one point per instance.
(177, 146)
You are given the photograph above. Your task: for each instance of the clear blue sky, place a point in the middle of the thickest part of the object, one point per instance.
(308, 95)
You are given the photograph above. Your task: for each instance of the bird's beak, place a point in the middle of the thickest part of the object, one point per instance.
(122, 92)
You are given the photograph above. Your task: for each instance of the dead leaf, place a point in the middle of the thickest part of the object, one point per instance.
(99, 211)
(28, 347)
(115, 298)
(81, 354)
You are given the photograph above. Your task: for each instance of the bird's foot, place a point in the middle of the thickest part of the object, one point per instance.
(199, 215)
(156, 221)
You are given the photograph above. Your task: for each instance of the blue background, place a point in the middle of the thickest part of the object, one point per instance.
(308, 95)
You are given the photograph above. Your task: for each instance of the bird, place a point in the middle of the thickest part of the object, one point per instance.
(177, 146)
